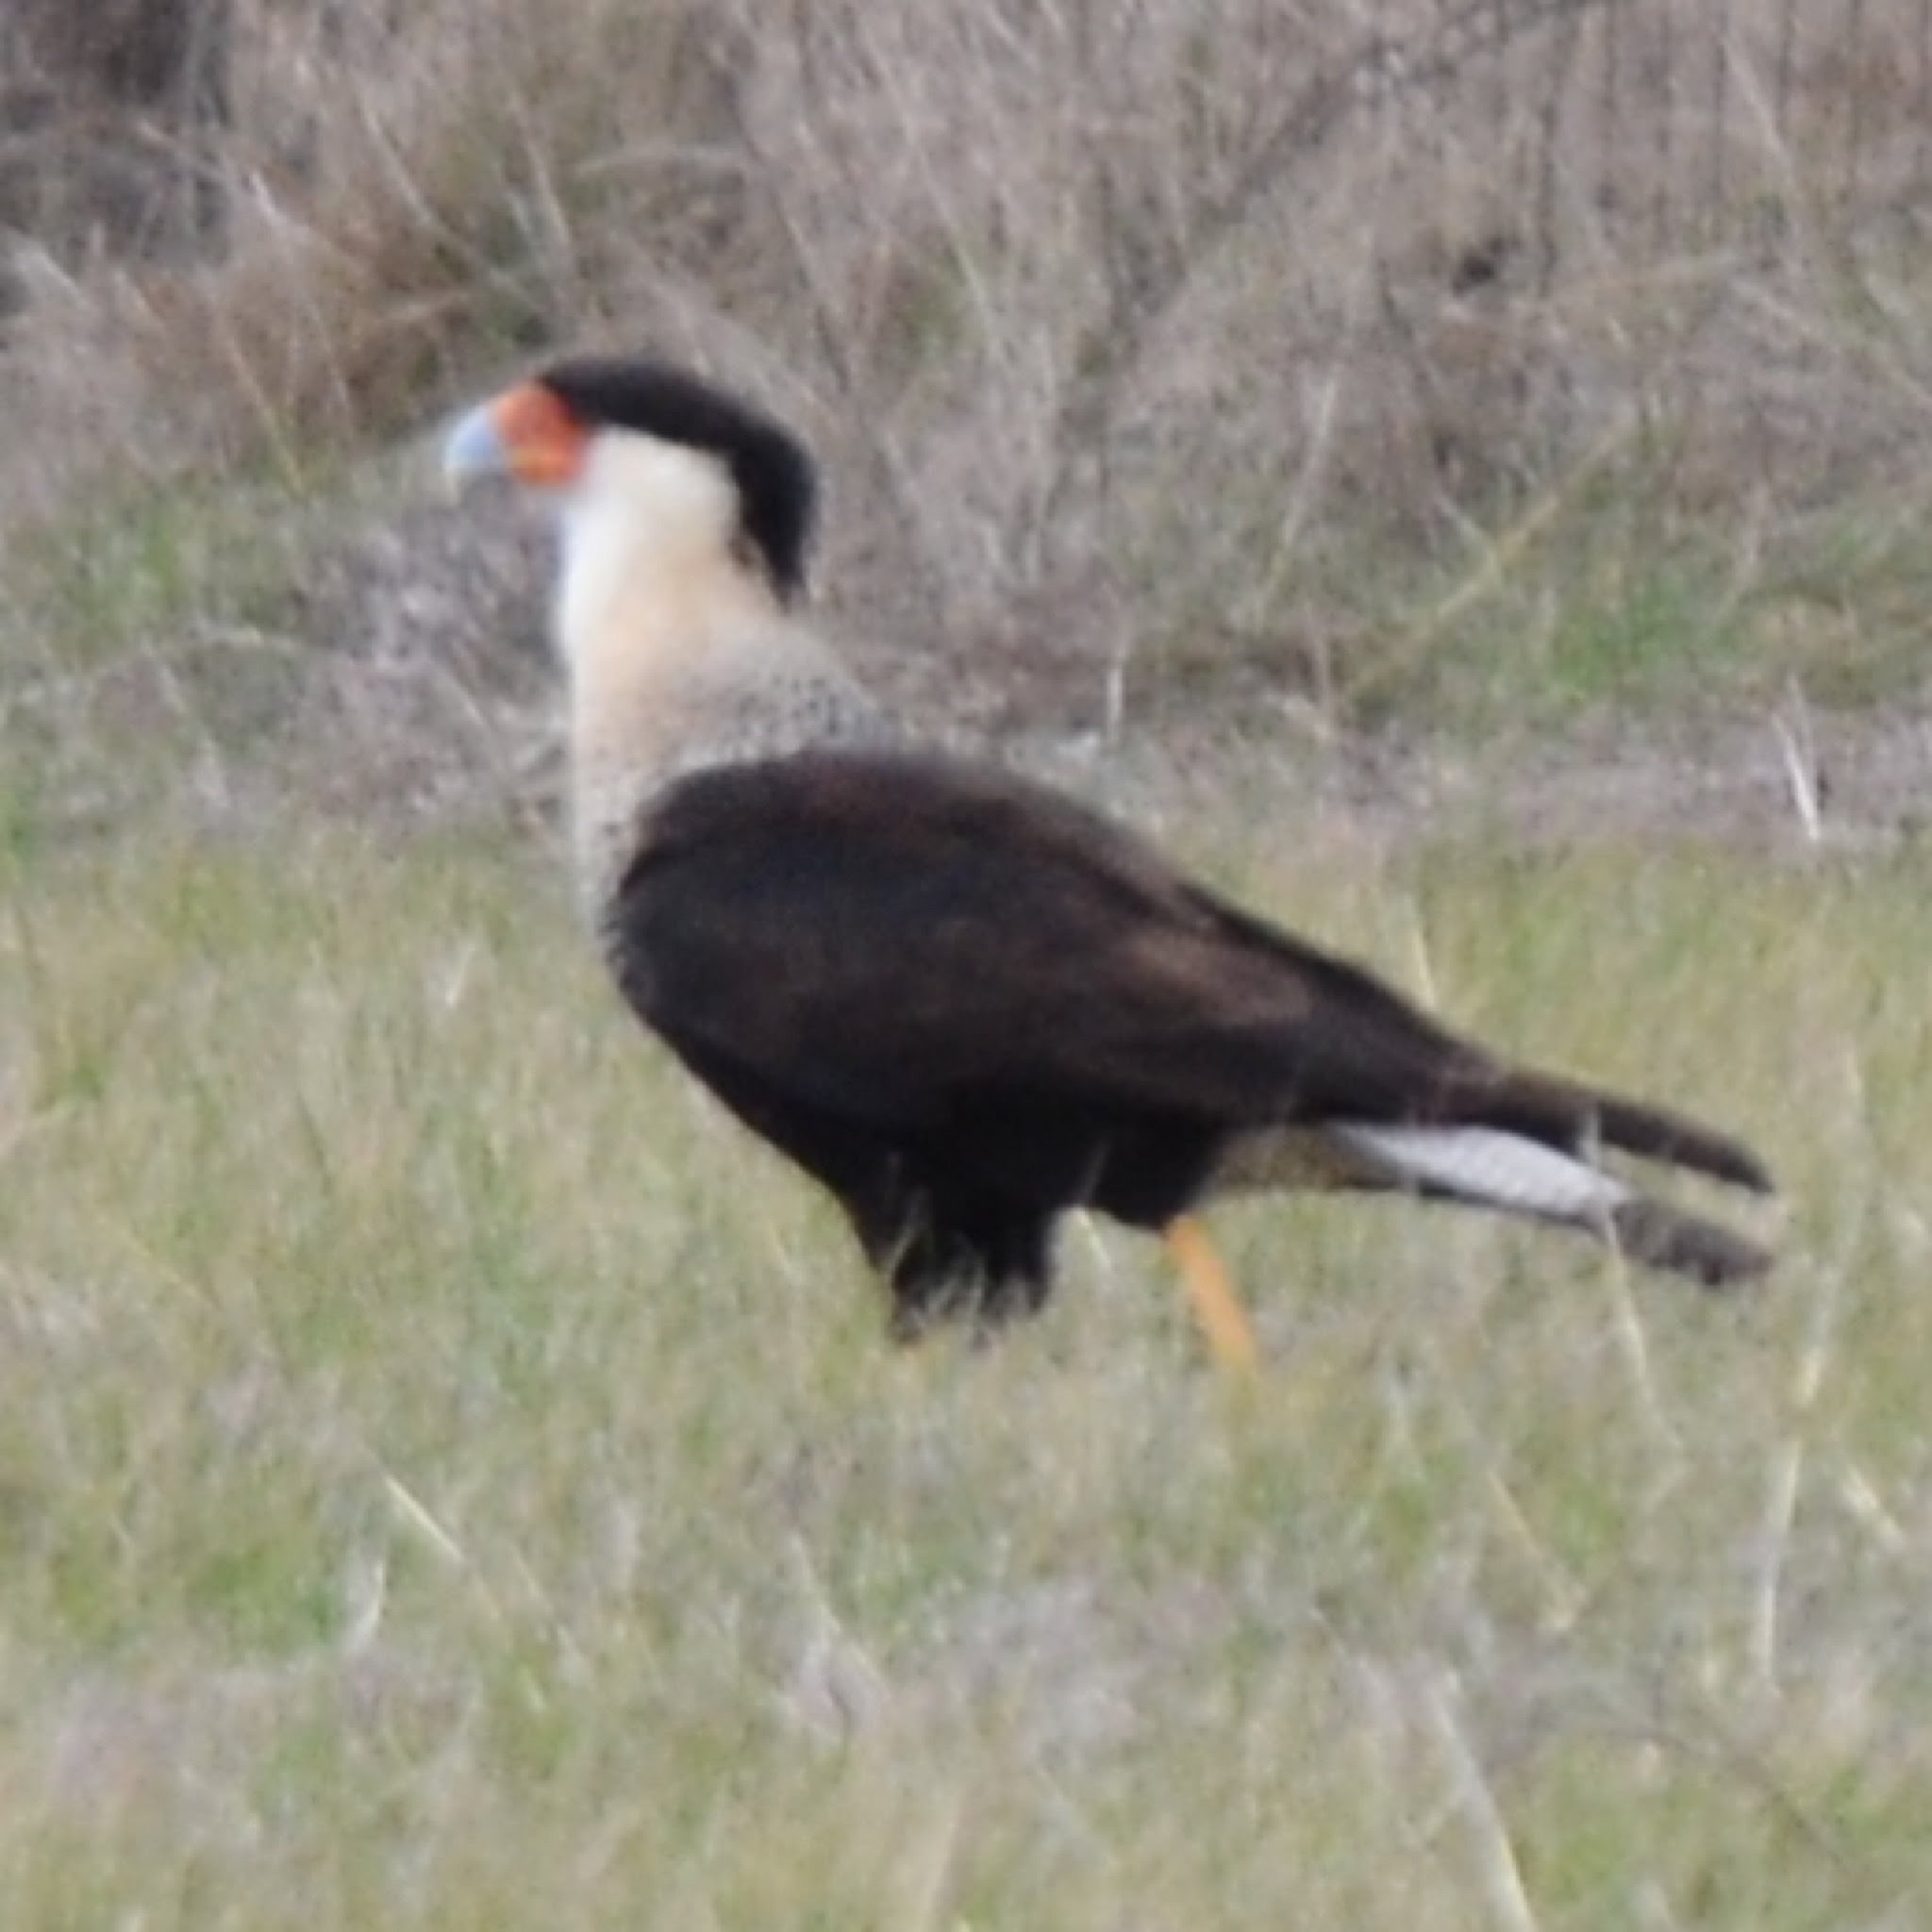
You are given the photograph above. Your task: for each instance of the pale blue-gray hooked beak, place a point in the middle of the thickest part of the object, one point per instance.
(475, 447)
(526, 433)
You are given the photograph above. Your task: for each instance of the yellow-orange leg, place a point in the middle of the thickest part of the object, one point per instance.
(1217, 1309)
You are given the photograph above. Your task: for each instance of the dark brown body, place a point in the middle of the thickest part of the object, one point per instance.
(966, 1005)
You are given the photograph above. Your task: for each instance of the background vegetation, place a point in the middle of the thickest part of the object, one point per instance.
(1455, 469)
(1230, 361)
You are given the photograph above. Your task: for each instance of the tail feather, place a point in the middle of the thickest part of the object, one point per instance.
(1657, 1134)
(1490, 1167)
(1660, 1235)
(1561, 1113)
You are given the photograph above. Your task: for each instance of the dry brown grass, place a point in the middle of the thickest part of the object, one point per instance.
(1165, 309)
(1230, 362)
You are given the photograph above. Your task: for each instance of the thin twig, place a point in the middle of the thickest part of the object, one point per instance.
(1496, 1860)
(1800, 754)
(1786, 1471)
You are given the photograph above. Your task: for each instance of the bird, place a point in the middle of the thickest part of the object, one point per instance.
(964, 1002)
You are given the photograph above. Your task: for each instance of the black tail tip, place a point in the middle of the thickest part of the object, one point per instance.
(1666, 1238)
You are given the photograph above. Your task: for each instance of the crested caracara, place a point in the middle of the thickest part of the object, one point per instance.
(962, 1002)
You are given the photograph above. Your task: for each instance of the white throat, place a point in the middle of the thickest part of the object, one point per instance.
(678, 652)
(645, 520)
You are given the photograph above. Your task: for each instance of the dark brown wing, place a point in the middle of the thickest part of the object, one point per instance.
(896, 940)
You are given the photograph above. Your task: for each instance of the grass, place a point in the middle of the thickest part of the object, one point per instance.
(448, 1478)
(148, 638)
(1610, 608)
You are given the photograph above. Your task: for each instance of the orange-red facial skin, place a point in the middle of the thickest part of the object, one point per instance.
(544, 444)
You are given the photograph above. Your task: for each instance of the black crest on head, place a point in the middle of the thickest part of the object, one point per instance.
(777, 485)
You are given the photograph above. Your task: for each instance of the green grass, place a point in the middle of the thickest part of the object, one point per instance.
(1602, 595)
(1605, 610)
(449, 1478)
(148, 644)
